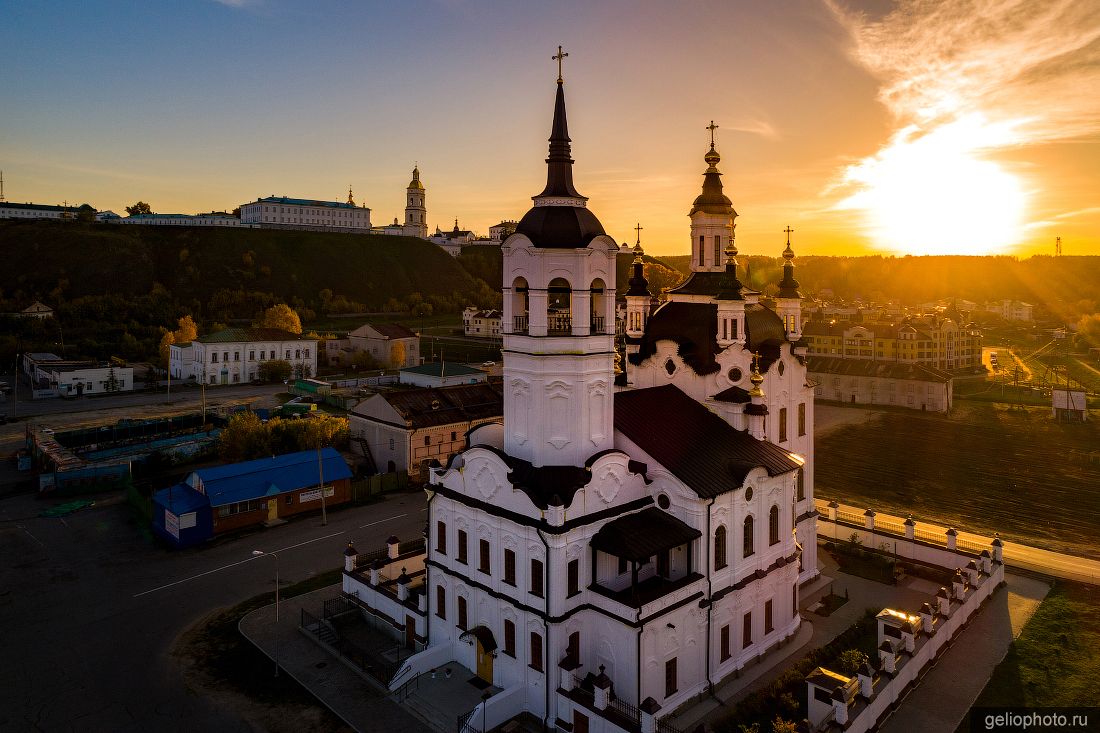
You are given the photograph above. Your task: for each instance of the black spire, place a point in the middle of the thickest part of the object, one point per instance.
(788, 286)
(559, 164)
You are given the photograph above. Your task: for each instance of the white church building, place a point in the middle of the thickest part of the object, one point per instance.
(624, 539)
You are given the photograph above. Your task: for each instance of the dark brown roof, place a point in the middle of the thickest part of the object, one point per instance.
(881, 369)
(393, 330)
(429, 406)
(733, 394)
(698, 447)
(642, 535)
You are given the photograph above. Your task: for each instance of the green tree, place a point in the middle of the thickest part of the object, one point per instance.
(281, 316)
(851, 661)
(276, 370)
(84, 212)
(139, 208)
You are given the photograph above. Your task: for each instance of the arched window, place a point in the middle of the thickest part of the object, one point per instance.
(773, 526)
(519, 306)
(719, 548)
(599, 305)
(559, 307)
(749, 544)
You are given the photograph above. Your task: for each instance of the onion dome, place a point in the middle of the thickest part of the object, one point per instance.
(415, 182)
(559, 217)
(638, 284)
(729, 286)
(788, 286)
(712, 200)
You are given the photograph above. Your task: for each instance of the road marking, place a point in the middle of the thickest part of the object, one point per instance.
(256, 557)
(380, 521)
(234, 564)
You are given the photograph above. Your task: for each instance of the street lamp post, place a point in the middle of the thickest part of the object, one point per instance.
(257, 553)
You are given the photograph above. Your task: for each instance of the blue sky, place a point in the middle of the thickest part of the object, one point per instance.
(201, 105)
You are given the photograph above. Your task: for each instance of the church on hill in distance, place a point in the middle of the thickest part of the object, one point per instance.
(634, 530)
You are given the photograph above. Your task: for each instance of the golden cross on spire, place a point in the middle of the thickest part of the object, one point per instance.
(712, 127)
(756, 361)
(638, 229)
(788, 230)
(558, 57)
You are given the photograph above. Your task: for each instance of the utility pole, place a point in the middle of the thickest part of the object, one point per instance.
(321, 484)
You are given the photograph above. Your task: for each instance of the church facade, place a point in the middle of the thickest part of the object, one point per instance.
(633, 535)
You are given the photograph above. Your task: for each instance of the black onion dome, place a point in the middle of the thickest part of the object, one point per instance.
(712, 200)
(788, 286)
(560, 226)
(638, 284)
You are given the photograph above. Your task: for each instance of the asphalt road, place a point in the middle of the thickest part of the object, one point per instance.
(25, 407)
(90, 611)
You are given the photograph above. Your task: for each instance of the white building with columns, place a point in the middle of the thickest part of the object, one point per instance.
(619, 540)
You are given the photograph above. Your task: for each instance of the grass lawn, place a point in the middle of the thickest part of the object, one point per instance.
(1056, 660)
(986, 468)
(222, 663)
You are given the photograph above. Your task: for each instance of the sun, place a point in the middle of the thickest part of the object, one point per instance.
(931, 192)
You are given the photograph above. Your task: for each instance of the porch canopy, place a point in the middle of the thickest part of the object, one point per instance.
(482, 634)
(639, 536)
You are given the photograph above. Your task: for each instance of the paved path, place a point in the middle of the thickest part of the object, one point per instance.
(947, 692)
(1071, 567)
(359, 703)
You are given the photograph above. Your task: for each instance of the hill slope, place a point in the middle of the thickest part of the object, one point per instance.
(195, 263)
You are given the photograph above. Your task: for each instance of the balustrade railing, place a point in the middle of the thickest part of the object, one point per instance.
(559, 324)
(597, 325)
(520, 324)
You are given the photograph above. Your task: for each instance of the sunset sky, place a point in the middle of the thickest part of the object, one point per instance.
(896, 127)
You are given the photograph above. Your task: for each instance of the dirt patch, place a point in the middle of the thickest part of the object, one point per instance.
(221, 665)
(986, 468)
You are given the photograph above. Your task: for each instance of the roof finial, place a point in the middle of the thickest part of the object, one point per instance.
(712, 127)
(350, 199)
(756, 378)
(558, 57)
(638, 244)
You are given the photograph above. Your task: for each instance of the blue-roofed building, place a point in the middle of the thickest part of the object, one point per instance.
(212, 501)
(283, 212)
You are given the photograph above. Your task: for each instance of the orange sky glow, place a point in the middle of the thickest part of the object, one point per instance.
(908, 127)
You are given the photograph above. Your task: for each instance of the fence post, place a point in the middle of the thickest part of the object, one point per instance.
(649, 708)
(350, 556)
(998, 549)
(869, 519)
(910, 527)
(601, 688)
(952, 538)
(832, 510)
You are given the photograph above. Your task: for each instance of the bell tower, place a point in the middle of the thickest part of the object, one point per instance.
(416, 212)
(559, 319)
(788, 301)
(712, 216)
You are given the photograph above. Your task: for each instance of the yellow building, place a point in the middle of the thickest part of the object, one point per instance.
(942, 342)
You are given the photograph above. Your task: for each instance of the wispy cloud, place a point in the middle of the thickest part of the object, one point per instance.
(237, 3)
(1031, 62)
(966, 78)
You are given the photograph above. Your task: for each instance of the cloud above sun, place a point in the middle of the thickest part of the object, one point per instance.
(964, 80)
